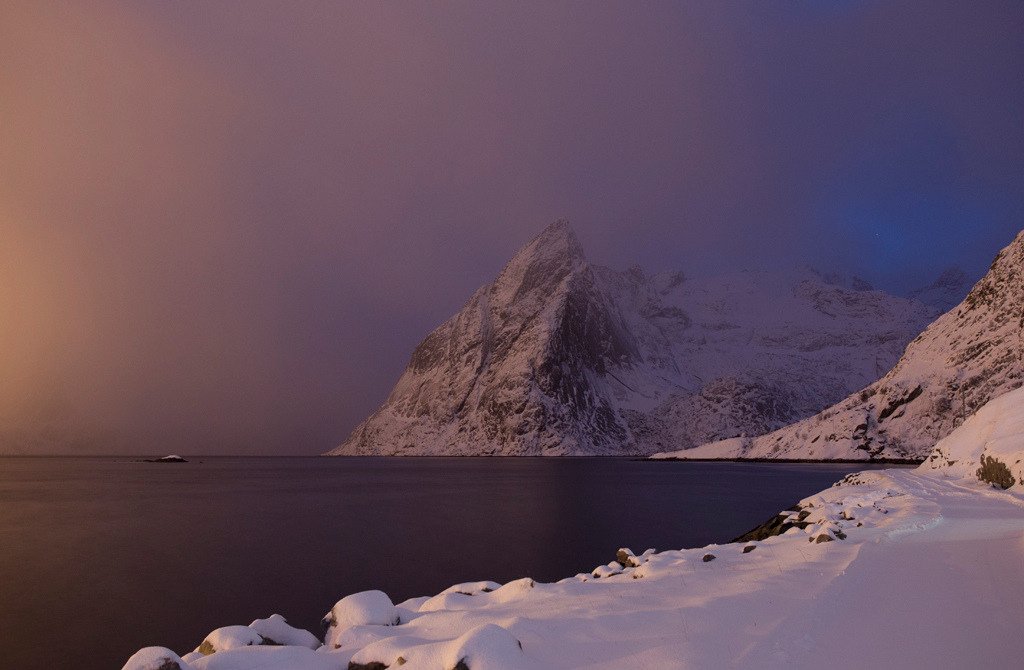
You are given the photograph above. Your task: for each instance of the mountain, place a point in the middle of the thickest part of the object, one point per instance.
(968, 356)
(558, 356)
(946, 292)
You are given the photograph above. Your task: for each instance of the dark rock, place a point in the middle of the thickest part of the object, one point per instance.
(708, 558)
(372, 665)
(777, 525)
(627, 559)
(749, 548)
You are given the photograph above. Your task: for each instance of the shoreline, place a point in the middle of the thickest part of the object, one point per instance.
(823, 576)
(843, 461)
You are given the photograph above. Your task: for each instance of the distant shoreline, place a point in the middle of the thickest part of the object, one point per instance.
(876, 461)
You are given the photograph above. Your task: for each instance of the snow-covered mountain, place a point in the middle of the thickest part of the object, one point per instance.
(946, 292)
(968, 356)
(558, 356)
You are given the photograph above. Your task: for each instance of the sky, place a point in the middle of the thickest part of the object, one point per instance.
(224, 226)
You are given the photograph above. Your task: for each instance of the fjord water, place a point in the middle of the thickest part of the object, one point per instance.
(101, 556)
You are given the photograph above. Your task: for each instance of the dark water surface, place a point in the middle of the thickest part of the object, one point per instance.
(101, 556)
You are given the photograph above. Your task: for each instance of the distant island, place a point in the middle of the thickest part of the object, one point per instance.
(172, 458)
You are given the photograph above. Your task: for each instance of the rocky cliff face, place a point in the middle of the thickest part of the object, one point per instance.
(968, 356)
(514, 371)
(558, 356)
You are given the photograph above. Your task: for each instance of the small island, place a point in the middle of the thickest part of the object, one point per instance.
(172, 458)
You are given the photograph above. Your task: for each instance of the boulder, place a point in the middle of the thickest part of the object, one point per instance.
(156, 658)
(229, 637)
(367, 608)
(275, 630)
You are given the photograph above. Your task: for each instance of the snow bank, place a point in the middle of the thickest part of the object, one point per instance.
(155, 658)
(486, 647)
(988, 446)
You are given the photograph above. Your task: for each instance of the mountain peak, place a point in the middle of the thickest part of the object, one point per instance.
(540, 266)
(557, 238)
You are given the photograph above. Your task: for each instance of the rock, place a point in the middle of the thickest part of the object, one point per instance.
(155, 658)
(229, 637)
(777, 525)
(269, 657)
(819, 538)
(613, 568)
(488, 645)
(275, 630)
(367, 608)
(749, 548)
(708, 558)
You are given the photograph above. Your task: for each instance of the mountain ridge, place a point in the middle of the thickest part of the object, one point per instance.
(965, 358)
(558, 356)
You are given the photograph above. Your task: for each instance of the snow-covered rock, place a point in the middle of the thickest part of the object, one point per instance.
(275, 630)
(155, 658)
(989, 446)
(559, 356)
(270, 658)
(486, 647)
(229, 637)
(968, 356)
(367, 608)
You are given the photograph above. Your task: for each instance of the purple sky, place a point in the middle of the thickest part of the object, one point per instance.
(225, 225)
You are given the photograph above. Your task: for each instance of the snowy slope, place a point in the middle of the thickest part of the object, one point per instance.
(989, 446)
(886, 569)
(558, 356)
(971, 354)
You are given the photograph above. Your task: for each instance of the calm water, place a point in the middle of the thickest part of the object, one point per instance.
(101, 556)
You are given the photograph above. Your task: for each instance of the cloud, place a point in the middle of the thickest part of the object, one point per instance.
(224, 228)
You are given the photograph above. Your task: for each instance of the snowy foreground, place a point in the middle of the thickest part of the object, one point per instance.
(895, 568)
